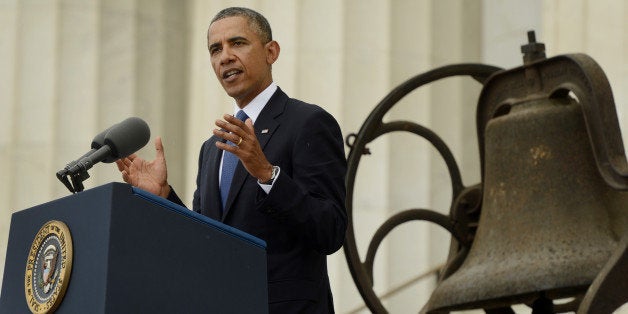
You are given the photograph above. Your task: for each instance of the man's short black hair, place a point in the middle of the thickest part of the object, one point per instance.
(257, 21)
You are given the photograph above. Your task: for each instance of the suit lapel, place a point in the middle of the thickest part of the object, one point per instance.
(267, 123)
(211, 199)
(265, 126)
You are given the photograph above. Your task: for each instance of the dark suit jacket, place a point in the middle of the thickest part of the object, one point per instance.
(303, 218)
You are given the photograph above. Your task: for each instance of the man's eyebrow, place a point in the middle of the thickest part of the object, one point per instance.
(230, 40)
(214, 45)
(236, 38)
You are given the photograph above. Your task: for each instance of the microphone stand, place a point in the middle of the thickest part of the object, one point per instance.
(77, 178)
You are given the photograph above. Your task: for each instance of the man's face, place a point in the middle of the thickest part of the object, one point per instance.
(241, 61)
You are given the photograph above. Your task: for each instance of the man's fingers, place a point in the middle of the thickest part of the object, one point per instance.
(249, 126)
(125, 176)
(121, 165)
(241, 133)
(129, 159)
(232, 137)
(230, 148)
(226, 126)
(232, 124)
(159, 148)
(233, 120)
(125, 163)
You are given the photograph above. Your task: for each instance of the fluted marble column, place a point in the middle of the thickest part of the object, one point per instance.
(71, 68)
(596, 28)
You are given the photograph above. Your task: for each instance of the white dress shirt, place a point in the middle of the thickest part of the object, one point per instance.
(253, 110)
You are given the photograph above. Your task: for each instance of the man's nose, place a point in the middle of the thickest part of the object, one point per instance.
(226, 55)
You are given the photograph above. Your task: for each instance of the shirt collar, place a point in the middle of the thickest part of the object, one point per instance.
(256, 105)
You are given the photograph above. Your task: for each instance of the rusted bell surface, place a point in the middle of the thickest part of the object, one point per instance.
(549, 221)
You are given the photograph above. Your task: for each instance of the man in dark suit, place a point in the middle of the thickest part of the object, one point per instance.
(286, 185)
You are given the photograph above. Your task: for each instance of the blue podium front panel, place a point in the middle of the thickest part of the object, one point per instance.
(136, 253)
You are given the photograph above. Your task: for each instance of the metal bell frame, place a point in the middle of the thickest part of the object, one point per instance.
(606, 293)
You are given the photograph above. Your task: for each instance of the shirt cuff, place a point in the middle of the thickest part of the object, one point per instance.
(268, 187)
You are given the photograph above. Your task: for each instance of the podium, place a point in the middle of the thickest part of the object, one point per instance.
(133, 252)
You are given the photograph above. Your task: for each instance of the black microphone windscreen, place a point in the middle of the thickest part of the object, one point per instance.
(126, 137)
(99, 140)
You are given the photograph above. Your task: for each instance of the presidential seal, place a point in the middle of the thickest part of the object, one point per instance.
(48, 267)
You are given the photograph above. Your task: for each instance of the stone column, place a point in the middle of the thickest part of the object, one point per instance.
(70, 69)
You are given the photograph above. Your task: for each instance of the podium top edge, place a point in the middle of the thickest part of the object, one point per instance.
(200, 218)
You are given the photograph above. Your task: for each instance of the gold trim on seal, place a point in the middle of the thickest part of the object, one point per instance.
(48, 267)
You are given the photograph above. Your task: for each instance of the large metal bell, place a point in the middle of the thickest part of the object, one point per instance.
(554, 207)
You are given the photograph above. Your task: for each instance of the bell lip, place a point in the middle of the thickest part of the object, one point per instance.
(470, 286)
(503, 301)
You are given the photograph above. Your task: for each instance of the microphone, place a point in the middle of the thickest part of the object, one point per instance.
(97, 142)
(118, 141)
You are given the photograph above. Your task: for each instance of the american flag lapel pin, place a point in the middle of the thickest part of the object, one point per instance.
(264, 131)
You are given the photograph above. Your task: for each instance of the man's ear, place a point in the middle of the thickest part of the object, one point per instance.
(272, 51)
